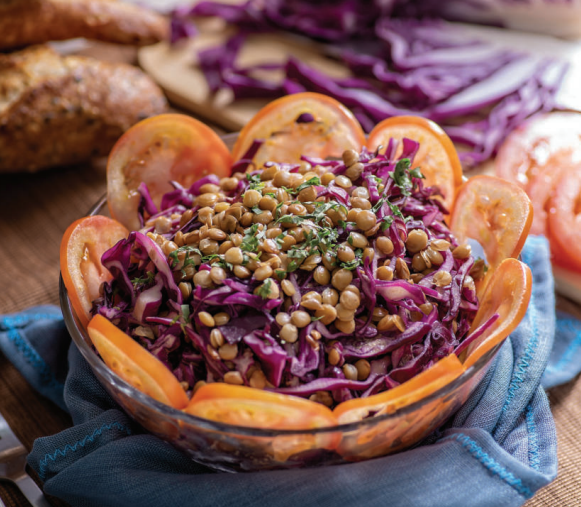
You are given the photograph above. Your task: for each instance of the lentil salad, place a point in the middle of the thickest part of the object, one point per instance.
(328, 279)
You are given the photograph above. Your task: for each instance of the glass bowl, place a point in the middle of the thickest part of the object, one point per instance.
(232, 448)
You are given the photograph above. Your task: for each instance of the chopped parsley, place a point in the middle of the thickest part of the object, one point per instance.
(144, 280)
(264, 290)
(252, 238)
(386, 222)
(254, 182)
(309, 183)
(416, 173)
(401, 176)
(351, 265)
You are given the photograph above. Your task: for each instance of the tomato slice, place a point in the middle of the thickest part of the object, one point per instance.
(333, 130)
(436, 157)
(528, 150)
(255, 408)
(164, 148)
(541, 189)
(507, 294)
(417, 388)
(565, 220)
(134, 364)
(496, 213)
(83, 244)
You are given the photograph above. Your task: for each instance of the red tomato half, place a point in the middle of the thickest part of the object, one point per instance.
(436, 157)
(565, 220)
(82, 246)
(528, 150)
(134, 364)
(168, 147)
(540, 191)
(333, 130)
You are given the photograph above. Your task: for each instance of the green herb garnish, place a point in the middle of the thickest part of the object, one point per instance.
(150, 276)
(401, 176)
(416, 173)
(264, 289)
(309, 183)
(254, 182)
(386, 222)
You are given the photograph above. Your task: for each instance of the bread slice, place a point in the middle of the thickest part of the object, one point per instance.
(58, 110)
(26, 22)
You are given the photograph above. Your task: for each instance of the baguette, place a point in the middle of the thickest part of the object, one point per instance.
(57, 111)
(27, 22)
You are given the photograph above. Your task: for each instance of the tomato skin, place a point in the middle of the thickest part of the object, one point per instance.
(164, 148)
(416, 388)
(496, 213)
(334, 130)
(507, 294)
(134, 364)
(564, 220)
(436, 157)
(246, 406)
(82, 246)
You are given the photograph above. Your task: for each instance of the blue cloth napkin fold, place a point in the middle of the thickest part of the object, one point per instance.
(499, 449)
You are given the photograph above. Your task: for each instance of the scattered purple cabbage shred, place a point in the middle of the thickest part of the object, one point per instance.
(402, 61)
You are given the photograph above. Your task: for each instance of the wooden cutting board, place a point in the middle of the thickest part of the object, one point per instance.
(176, 71)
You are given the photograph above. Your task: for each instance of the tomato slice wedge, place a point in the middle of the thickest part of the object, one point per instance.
(528, 150)
(134, 364)
(436, 157)
(246, 406)
(164, 148)
(564, 222)
(333, 130)
(417, 388)
(496, 213)
(507, 294)
(541, 189)
(83, 244)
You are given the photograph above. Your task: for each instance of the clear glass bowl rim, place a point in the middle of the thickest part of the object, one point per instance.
(81, 340)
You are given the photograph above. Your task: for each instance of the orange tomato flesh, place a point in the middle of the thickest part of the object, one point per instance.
(134, 364)
(437, 158)
(164, 148)
(418, 387)
(494, 212)
(507, 294)
(82, 246)
(334, 130)
(246, 406)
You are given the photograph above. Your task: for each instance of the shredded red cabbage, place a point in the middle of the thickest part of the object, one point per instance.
(296, 293)
(400, 65)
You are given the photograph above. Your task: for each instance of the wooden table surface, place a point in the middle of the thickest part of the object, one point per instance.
(35, 210)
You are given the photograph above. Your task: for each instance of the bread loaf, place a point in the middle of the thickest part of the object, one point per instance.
(58, 110)
(26, 22)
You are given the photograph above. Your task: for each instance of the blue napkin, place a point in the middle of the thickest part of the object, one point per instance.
(499, 449)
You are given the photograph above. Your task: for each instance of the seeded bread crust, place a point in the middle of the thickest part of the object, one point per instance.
(57, 111)
(27, 22)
